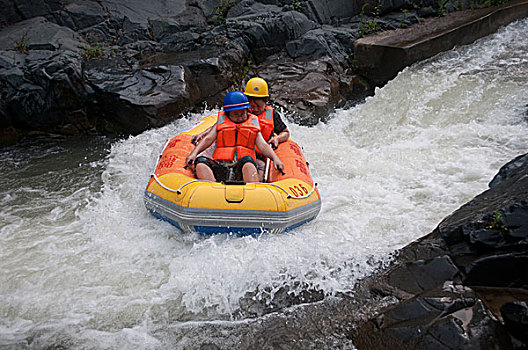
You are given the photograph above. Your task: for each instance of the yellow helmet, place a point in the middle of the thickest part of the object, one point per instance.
(256, 87)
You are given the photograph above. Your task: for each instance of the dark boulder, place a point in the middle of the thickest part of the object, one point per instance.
(44, 91)
(137, 100)
(516, 165)
(266, 36)
(39, 34)
(322, 42)
(79, 15)
(445, 318)
(16, 11)
(215, 66)
(419, 276)
(506, 270)
(253, 10)
(328, 12)
(307, 90)
(515, 315)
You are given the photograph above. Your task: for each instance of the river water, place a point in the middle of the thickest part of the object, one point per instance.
(83, 265)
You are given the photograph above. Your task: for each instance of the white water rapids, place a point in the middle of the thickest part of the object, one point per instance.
(83, 265)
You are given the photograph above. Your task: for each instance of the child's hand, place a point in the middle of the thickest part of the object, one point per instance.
(279, 166)
(274, 142)
(189, 160)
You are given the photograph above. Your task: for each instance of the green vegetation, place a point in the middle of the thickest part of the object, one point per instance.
(441, 8)
(93, 51)
(222, 10)
(497, 223)
(370, 26)
(245, 71)
(405, 16)
(151, 31)
(22, 45)
(489, 3)
(297, 6)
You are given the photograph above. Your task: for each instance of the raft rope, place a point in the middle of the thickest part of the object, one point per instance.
(190, 182)
(162, 185)
(178, 191)
(154, 172)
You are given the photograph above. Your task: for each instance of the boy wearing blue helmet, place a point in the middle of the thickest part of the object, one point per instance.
(236, 134)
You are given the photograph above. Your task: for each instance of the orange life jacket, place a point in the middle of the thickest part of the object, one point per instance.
(266, 123)
(235, 141)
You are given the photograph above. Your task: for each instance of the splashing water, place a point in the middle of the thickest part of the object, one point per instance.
(82, 262)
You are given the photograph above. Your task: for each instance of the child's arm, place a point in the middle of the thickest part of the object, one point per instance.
(280, 138)
(205, 142)
(266, 150)
(197, 138)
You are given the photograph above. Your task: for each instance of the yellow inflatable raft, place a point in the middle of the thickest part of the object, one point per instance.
(286, 201)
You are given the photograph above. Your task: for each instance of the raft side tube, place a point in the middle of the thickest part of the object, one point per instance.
(205, 220)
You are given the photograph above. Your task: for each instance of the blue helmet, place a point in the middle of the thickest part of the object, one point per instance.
(235, 100)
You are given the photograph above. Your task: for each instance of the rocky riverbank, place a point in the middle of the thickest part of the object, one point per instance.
(69, 67)
(465, 285)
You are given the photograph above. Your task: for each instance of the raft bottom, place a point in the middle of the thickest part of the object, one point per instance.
(237, 231)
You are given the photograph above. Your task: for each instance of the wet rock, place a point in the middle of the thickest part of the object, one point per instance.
(139, 12)
(326, 12)
(142, 98)
(419, 276)
(439, 319)
(39, 34)
(307, 90)
(520, 163)
(252, 10)
(321, 42)
(9, 13)
(275, 299)
(515, 315)
(506, 197)
(508, 270)
(43, 90)
(487, 238)
(515, 219)
(16, 11)
(79, 15)
(265, 36)
(214, 67)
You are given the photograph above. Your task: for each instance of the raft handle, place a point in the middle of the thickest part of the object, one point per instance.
(234, 182)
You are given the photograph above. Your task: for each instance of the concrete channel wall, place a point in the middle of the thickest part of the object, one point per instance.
(381, 56)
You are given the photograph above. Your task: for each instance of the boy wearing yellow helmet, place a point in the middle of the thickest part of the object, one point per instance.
(274, 129)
